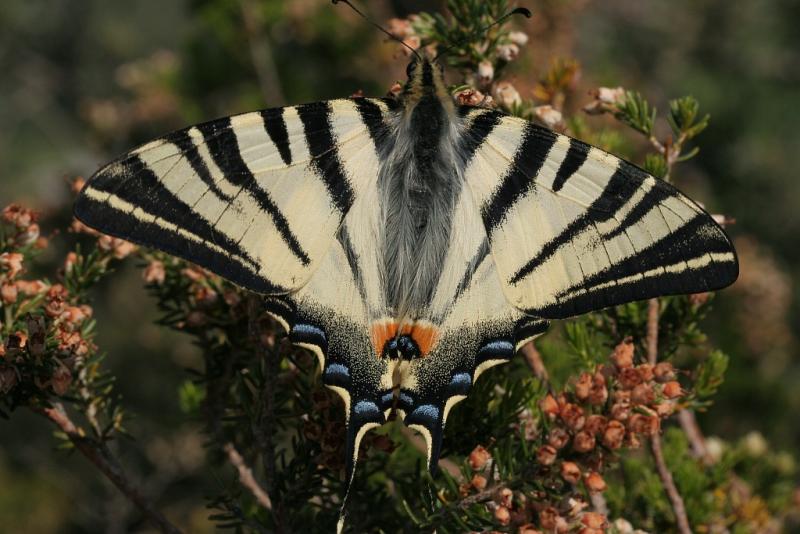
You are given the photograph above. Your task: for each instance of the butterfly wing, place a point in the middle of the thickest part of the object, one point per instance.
(256, 198)
(574, 229)
(260, 199)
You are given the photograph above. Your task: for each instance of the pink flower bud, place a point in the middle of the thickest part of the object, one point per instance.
(583, 442)
(518, 38)
(595, 484)
(508, 52)
(546, 455)
(507, 95)
(549, 115)
(672, 390)
(502, 515)
(558, 437)
(154, 273)
(623, 354)
(485, 72)
(570, 472)
(478, 458)
(614, 435)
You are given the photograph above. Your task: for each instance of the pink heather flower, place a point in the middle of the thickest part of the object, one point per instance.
(549, 115)
(518, 38)
(485, 72)
(508, 52)
(478, 458)
(507, 95)
(11, 262)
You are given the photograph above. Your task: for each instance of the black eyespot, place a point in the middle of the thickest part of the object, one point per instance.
(411, 68)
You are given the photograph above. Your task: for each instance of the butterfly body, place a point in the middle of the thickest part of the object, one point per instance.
(410, 244)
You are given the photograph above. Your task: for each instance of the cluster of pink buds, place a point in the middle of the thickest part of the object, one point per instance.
(602, 411)
(48, 320)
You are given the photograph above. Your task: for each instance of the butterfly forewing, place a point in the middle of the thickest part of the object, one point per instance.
(256, 198)
(574, 229)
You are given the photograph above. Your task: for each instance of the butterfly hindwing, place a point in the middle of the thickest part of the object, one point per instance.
(574, 229)
(256, 198)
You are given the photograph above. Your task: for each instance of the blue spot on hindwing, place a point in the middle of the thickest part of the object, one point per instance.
(337, 374)
(387, 399)
(405, 401)
(427, 413)
(499, 349)
(308, 333)
(460, 383)
(365, 407)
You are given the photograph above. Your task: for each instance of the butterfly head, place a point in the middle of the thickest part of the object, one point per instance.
(425, 81)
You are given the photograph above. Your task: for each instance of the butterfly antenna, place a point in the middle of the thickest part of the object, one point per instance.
(518, 11)
(381, 28)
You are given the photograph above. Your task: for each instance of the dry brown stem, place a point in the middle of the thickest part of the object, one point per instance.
(246, 476)
(664, 473)
(535, 362)
(97, 453)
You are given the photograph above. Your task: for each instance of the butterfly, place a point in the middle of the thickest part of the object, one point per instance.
(410, 243)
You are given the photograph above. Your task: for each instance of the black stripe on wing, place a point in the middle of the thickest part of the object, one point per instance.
(655, 196)
(622, 185)
(521, 175)
(477, 131)
(275, 126)
(665, 268)
(477, 260)
(343, 237)
(576, 156)
(133, 182)
(224, 148)
(184, 142)
(373, 117)
(316, 120)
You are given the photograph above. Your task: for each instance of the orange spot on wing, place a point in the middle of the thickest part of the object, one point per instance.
(424, 335)
(381, 332)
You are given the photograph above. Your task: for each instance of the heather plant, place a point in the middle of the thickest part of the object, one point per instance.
(591, 429)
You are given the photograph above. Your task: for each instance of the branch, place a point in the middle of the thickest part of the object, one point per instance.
(101, 457)
(534, 360)
(695, 435)
(246, 476)
(664, 473)
(669, 486)
(652, 331)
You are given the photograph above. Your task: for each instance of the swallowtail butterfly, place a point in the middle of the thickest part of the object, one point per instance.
(409, 243)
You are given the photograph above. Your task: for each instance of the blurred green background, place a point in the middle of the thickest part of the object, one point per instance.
(84, 80)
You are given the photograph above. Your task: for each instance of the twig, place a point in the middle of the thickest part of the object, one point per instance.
(535, 362)
(101, 457)
(695, 436)
(261, 55)
(664, 473)
(482, 496)
(669, 486)
(652, 331)
(599, 503)
(246, 476)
